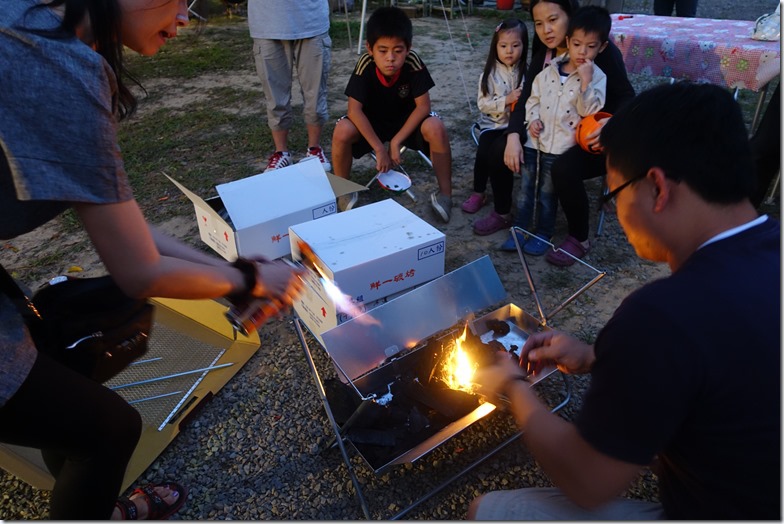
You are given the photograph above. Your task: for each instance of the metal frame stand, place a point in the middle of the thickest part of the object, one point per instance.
(340, 438)
(194, 13)
(341, 432)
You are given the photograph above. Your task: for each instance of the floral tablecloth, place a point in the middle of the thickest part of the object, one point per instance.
(719, 52)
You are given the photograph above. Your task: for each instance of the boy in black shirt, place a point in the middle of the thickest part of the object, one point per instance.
(388, 100)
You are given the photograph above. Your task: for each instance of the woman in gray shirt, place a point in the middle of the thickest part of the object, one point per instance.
(63, 93)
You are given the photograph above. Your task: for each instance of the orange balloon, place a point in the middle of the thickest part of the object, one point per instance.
(586, 126)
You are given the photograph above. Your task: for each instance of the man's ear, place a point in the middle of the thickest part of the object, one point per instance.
(368, 48)
(661, 188)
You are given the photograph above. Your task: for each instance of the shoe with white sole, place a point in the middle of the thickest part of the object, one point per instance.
(277, 160)
(317, 152)
(442, 205)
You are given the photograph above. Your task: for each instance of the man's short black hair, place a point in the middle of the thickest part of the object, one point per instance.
(390, 22)
(694, 132)
(591, 19)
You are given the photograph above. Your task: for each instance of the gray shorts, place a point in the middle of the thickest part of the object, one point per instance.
(551, 504)
(276, 61)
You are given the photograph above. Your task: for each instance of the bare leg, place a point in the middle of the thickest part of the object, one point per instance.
(314, 135)
(343, 136)
(281, 139)
(434, 132)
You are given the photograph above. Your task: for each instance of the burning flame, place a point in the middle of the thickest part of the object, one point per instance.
(343, 302)
(458, 367)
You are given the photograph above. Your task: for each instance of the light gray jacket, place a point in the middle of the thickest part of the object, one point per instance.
(492, 106)
(561, 106)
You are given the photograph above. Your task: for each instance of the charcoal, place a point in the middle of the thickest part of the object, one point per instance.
(500, 328)
(450, 403)
(417, 421)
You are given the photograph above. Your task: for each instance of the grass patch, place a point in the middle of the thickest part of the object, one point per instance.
(198, 50)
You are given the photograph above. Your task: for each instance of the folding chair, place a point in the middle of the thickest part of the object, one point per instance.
(475, 132)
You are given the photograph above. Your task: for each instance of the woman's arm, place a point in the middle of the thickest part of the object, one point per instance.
(129, 249)
(619, 88)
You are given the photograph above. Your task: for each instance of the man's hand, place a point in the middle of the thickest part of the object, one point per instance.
(569, 354)
(492, 379)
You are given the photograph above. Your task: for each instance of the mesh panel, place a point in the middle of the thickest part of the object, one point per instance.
(169, 353)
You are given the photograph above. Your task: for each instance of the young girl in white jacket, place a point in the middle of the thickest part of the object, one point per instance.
(499, 89)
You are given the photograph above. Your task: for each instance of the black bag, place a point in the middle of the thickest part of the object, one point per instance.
(87, 324)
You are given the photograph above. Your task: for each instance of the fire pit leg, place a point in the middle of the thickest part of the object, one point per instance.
(323, 395)
(361, 409)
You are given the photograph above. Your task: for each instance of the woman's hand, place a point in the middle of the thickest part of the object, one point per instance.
(593, 138)
(278, 281)
(513, 153)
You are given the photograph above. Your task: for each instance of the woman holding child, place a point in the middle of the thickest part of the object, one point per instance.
(570, 169)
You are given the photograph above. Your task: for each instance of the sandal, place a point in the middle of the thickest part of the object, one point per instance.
(491, 223)
(570, 245)
(157, 509)
(474, 202)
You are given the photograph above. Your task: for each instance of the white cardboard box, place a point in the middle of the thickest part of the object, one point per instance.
(371, 253)
(251, 216)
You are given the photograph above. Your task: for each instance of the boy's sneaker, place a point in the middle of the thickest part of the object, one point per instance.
(277, 160)
(317, 152)
(442, 205)
(346, 202)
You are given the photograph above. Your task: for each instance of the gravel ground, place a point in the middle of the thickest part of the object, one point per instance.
(258, 450)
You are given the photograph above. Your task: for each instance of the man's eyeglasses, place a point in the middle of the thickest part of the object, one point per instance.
(610, 197)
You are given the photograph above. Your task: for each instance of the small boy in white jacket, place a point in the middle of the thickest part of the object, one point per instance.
(569, 88)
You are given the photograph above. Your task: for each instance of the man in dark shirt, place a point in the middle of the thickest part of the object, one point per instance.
(686, 374)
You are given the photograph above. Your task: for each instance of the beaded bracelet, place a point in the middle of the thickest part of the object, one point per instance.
(249, 274)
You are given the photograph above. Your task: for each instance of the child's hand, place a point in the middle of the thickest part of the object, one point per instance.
(394, 153)
(535, 128)
(512, 97)
(585, 72)
(383, 162)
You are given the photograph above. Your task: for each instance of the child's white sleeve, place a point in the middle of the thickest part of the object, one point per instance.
(533, 103)
(594, 97)
(491, 103)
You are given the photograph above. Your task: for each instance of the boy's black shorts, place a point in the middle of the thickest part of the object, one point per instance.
(385, 133)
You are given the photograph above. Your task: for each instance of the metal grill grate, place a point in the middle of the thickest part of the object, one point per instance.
(160, 382)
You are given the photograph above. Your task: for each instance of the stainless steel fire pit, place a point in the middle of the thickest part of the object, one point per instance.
(387, 401)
